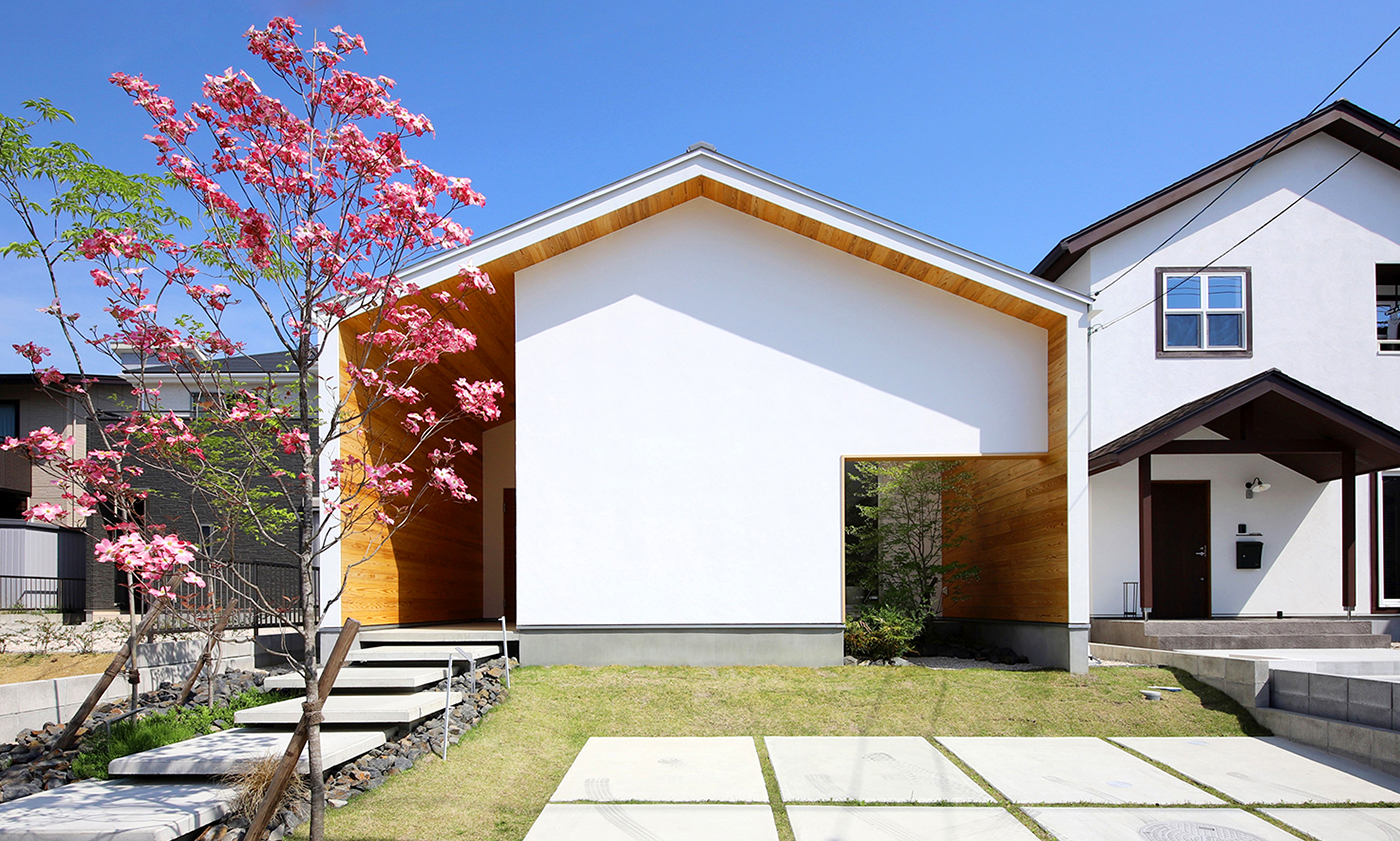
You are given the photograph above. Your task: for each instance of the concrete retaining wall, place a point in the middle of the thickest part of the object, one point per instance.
(33, 704)
(1351, 716)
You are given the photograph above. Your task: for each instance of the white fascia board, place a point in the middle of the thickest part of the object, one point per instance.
(764, 186)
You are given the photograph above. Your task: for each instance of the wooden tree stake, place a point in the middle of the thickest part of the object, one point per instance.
(70, 733)
(287, 766)
(214, 637)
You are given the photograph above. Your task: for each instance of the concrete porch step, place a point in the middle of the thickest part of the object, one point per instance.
(460, 634)
(373, 677)
(354, 709)
(115, 809)
(1301, 640)
(1256, 627)
(420, 653)
(222, 753)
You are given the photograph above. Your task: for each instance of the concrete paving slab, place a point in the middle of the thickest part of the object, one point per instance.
(905, 823)
(652, 822)
(1077, 823)
(419, 653)
(876, 769)
(114, 810)
(1269, 770)
(222, 753)
(371, 677)
(353, 709)
(690, 769)
(1342, 824)
(1069, 770)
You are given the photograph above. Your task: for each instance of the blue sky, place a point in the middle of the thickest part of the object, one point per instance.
(999, 127)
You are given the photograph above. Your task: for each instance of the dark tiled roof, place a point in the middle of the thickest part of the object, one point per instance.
(1342, 120)
(1282, 408)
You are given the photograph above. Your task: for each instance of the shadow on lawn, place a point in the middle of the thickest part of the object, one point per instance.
(1213, 699)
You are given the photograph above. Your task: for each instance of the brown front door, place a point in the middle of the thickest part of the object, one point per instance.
(509, 554)
(1180, 550)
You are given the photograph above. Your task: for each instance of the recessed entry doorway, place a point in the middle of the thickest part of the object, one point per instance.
(1180, 550)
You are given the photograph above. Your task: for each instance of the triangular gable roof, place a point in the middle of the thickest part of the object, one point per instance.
(703, 172)
(1342, 120)
(1284, 409)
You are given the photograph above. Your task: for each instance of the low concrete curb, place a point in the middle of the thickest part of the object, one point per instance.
(1254, 683)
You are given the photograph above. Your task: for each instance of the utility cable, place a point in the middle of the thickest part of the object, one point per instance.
(1248, 169)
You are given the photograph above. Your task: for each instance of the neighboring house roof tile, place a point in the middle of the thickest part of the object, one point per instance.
(1349, 123)
(1284, 409)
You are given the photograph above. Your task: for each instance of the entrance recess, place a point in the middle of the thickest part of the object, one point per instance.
(1181, 550)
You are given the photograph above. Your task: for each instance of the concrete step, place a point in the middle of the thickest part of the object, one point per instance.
(373, 677)
(222, 753)
(1223, 641)
(420, 653)
(354, 709)
(466, 634)
(1256, 627)
(114, 809)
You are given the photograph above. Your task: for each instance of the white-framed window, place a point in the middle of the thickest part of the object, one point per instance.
(1203, 312)
(1388, 546)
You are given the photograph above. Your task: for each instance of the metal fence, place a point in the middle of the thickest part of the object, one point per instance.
(279, 603)
(42, 593)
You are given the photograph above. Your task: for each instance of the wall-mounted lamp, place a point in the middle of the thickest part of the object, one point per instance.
(1257, 486)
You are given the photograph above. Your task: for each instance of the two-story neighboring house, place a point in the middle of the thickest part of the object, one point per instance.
(1243, 382)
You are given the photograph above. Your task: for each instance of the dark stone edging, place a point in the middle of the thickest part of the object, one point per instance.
(399, 754)
(26, 768)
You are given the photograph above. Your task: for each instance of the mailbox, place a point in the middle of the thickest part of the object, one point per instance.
(1249, 554)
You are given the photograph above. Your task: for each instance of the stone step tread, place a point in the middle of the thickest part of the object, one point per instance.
(1224, 641)
(420, 653)
(115, 809)
(447, 635)
(222, 753)
(349, 708)
(372, 677)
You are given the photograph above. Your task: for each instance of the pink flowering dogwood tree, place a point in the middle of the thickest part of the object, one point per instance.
(310, 207)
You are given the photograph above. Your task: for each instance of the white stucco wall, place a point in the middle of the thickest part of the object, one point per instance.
(686, 390)
(1313, 276)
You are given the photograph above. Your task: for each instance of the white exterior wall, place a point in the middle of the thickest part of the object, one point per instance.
(1313, 277)
(686, 390)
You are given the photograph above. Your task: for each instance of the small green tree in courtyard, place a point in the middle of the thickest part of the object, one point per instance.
(919, 511)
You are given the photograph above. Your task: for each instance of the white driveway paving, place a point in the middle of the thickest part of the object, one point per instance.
(1070, 770)
(905, 823)
(1342, 824)
(652, 822)
(668, 769)
(877, 769)
(1269, 770)
(1098, 824)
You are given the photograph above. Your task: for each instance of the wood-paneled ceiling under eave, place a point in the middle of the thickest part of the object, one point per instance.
(704, 187)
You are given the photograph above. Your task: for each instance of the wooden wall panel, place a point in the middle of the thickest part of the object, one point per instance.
(428, 569)
(1019, 536)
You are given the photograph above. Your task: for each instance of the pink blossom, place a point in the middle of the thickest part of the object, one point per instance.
(294, 441)
(44, 512)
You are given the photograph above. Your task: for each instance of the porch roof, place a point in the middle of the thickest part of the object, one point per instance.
(1269, 414)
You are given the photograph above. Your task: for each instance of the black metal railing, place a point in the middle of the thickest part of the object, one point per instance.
(268, 594)
(42, 593)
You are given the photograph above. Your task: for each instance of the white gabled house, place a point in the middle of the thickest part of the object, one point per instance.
(690, 357)
(1256, 344)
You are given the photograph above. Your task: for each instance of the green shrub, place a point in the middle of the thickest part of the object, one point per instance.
(882, 633)
(135, 735)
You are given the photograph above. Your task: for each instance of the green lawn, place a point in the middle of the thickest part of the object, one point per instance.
(499, 778)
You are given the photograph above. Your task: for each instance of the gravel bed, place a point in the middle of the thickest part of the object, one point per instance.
(968, 663)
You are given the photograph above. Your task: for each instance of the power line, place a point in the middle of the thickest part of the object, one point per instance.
(1242, 241)
(1240, 177)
